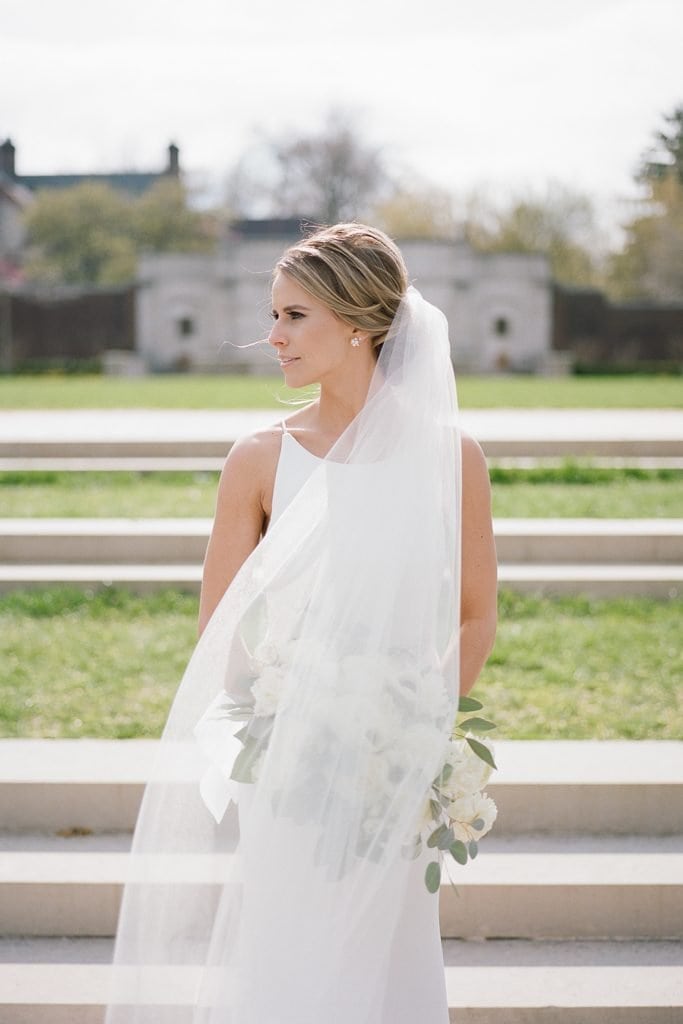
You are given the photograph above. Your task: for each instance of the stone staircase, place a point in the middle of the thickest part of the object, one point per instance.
(571, 914)
(208, 433)
(598, 557)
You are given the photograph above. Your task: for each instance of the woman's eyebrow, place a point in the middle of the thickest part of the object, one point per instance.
(288, 309)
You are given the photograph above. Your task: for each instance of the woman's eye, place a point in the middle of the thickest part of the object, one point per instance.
(295, 316)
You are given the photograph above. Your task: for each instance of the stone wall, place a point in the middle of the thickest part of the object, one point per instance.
(206, 312)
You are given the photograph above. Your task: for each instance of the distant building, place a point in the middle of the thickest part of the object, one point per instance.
(202, 312)
(16, 193)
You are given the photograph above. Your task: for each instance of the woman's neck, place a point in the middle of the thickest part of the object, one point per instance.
(340, 401)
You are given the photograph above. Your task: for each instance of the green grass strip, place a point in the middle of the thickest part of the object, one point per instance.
(107, 663)
(572, 489)
(230, 391)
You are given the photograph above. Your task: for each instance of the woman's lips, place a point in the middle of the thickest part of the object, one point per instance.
(286, 362)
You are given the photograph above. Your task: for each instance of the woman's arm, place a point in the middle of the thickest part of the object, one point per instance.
(237, 524)
(478, 601)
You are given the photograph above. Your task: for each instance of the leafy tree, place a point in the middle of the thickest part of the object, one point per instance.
(650, 263)
(665, 158)
(163, 222)
(418, 210)
(329, 175)
(91, 233)
(560, 224)
(80, 235)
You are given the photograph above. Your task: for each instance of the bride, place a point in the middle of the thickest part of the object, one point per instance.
(348, 599)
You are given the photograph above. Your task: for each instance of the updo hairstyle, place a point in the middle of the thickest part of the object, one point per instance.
(355, 270)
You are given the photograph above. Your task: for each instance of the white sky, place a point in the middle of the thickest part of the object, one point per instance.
(500, 95)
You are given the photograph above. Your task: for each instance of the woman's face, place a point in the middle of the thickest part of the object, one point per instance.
(310, 340)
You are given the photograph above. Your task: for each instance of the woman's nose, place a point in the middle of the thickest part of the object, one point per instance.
(276, 337)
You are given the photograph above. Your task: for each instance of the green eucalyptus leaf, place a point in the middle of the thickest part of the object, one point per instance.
(446, 839)
(473, 848)
(435, 808)
(459, 851)
(481, 751)
(478, 823)
(436, 836)
(433, 876)
(477, 724)
(469, 704)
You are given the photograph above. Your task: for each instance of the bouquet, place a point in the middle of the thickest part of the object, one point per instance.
(457, 813)
(403, 729)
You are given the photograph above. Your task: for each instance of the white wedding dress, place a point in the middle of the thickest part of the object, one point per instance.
(415, 990)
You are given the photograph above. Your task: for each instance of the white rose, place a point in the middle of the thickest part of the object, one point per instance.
(267, 690)
(470, 774)
(266, 653)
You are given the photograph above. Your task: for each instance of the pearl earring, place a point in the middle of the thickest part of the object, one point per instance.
(355, 342)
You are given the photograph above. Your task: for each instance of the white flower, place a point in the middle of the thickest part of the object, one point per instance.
(266, 653)
(419, 746)
(468, 809)
(470, 774)
(433, 696)
(425, 820)
(267, 690)
(377, 774)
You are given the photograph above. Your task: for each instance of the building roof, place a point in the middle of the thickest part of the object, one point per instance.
(14, 191)
(271, 227)
(133, 182)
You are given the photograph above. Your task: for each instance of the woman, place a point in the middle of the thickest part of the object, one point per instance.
(348, 597)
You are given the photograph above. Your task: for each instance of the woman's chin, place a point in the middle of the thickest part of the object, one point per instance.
(298, 379)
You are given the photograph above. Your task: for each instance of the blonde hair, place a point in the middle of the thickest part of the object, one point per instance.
(355, 270)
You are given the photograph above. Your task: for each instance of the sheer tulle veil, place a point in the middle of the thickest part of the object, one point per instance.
(328, 674)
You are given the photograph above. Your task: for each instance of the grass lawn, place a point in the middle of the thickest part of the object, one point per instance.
(108, 664)
(180, 391)
(572, 489)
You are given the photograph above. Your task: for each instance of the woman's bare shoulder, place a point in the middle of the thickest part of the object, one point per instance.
(472, 452)
(252, 458)
(475, 470)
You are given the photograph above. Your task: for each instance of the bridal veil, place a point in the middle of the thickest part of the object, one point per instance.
(328, 676)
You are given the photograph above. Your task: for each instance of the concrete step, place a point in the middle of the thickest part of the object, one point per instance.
(636, 580)
(133, 463)
(594, 541)
(556, 786)
(59, 981)
(154, 433)
(595, 581)
(168, 541)
(531, 886)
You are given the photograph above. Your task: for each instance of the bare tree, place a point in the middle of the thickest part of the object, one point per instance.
(330, 175)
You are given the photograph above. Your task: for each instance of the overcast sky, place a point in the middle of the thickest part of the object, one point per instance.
(500, 95)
